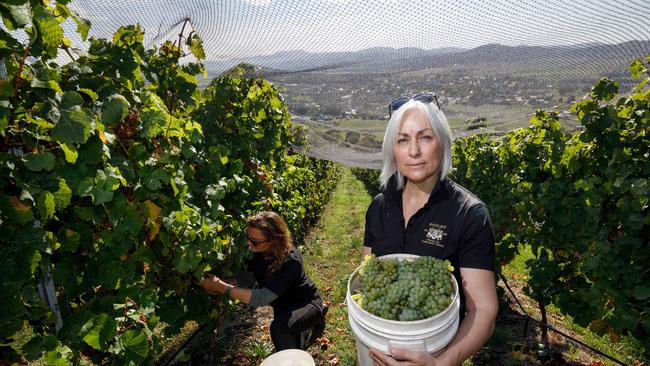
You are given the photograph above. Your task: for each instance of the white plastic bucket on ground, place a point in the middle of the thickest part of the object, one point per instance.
(289, 357)
(370, 331)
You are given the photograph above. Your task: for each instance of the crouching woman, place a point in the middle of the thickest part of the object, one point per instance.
(282, 281)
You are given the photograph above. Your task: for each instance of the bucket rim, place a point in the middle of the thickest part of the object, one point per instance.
(289, 354)
(409, 257)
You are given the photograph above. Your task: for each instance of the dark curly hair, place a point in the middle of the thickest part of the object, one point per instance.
(275, 230)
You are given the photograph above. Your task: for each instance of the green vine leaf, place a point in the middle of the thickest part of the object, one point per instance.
(55, 358)
(186, 261)
(101, 188)
(63, 195)
(135, 344)
(37, 162)
(5, 112)
(196, 46)
(93, 96)
(153, 178)
(98, 331)
(114, 109)
(637, 68)
(73, 127)
(49, 30)
(46, 206)
(71, 99)
(16, 16)
(6, 89)
(69, 152)
(128, 35)
(153, 121)
(46, 84)
(38, 344)
(604, 90)
(83, 26)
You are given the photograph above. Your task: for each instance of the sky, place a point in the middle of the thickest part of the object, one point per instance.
(244, 28)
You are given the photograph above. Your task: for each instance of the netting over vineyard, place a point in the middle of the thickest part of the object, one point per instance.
(127, 175)
(338, 63)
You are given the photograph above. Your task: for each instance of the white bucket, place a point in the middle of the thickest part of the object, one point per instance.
(370, 331)
(289, 357)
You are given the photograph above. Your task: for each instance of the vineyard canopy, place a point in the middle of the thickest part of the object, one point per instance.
(338, 62)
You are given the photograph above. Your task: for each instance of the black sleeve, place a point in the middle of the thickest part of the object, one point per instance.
(477, 241)
(285, 277)
(371, 220)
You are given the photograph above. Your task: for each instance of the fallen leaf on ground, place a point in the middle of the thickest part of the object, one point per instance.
(334, 359)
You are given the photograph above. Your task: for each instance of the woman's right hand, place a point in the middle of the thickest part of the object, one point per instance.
(399, 357)
(213, 285)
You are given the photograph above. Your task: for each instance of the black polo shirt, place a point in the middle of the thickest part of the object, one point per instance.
(453, 224)
(290, 282)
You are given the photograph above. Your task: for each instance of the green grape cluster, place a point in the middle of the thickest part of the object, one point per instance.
(404, 290)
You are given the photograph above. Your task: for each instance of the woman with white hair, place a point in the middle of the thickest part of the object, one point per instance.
(421, 211)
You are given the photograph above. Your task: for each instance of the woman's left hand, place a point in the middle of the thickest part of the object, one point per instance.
(402, 357)
(213, 285)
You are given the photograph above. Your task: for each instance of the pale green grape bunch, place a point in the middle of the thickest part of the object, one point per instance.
(404, 290)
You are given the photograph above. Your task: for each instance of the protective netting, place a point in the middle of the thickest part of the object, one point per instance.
(339, 63)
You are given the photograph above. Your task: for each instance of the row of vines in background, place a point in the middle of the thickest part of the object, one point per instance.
(122, 184)
(579, 200)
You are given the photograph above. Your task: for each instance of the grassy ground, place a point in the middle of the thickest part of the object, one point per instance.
(332, 252)
(364, 124)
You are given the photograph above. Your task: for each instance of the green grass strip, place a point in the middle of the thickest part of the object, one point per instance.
(332, 252)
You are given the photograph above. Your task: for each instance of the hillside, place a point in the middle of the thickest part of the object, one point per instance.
(500, 85)
(360, 84)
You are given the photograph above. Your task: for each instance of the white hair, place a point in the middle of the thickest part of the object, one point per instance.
(440, 128)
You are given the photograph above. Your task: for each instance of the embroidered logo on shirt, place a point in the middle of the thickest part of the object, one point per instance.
(435, 234)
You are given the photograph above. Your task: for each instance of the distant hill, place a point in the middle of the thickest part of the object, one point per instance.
(488, 58)
(504, 84)
(301, 61)
(499, 85)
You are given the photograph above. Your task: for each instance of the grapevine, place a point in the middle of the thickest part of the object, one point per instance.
(122, 183)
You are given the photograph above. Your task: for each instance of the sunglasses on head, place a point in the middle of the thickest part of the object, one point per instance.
(256, 242)
(422, 97)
